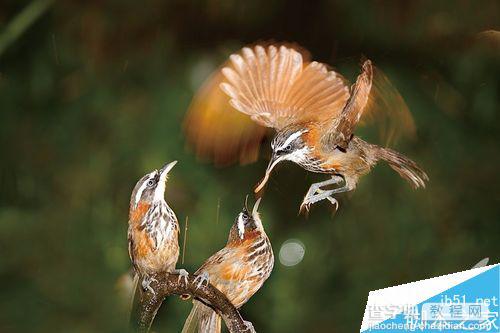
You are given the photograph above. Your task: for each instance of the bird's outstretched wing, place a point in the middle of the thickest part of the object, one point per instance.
(274, 86)
(373, 100)
(386, 110)
(343, 126)
(218, 132)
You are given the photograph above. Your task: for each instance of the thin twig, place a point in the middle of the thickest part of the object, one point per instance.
(18, 25)
(172, 284)
(185, 238)
(218, 211)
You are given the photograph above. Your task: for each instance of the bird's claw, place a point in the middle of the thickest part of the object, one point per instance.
(146, 284)
(334, 202)
(249, 326)
(305, 206)
(183, 275)
(318, 196)
(201, 279)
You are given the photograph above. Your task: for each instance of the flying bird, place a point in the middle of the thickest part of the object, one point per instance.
(313, 111)
(238, 270)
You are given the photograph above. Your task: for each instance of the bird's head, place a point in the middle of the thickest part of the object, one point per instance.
(150, 189)
(246, 222)
(288, 145)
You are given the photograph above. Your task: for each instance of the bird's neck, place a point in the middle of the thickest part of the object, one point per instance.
(234, 239)
(138, 212)
(147, 213)
(159, 222)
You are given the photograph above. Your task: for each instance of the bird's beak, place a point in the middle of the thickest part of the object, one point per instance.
(255, 209)
(166, 169)
(246, 203)
(272, 163)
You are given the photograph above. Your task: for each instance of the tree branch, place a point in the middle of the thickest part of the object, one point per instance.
(170, 284)
(22, 21)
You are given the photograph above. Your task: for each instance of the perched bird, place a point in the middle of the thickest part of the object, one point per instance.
(312, 110)
(238, 270)
(153, 228)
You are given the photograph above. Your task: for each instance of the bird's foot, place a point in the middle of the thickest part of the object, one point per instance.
(320, 195)
(201, 279)
(310, 199)
(316, 193)
(305, 206)
(249, 326)
(334, 202)
(146, 284)
(183, 275)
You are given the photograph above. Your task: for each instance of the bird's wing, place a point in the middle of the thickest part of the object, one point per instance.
(232, 274)
(131, 250)
(373, 100)
(218, 132)
(343, 126)
(387, 111)
(275, 86)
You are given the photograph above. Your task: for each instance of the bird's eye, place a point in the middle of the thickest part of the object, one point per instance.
(288, 148)
(150, 182)
(244, 216)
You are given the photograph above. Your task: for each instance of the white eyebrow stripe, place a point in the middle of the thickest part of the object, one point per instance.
(291, 138)
(142, 188)
(241, 225)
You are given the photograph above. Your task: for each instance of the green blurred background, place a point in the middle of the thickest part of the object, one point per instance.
(93, 94)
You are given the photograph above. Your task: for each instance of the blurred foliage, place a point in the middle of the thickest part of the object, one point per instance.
(93, 94)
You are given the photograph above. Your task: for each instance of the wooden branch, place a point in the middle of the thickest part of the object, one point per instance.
(170, 284)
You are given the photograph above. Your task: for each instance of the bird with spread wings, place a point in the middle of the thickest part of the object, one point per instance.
(313, 111)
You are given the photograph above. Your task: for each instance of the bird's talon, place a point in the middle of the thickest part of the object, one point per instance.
(249, 326)
(201, 279)
(334, 202)
(305, 206)
(146, 284)
(183, 275)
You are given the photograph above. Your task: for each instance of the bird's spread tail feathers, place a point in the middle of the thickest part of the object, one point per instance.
(405, 167)
(202, 319)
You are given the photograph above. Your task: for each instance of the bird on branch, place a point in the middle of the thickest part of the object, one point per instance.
(313, 111)
(238, 270)
(153, 229)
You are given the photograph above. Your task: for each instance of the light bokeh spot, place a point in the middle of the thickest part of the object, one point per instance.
(292, 252)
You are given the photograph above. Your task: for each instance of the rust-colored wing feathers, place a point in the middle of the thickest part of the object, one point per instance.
(276, 88)
(373, 100)
(387, 111)
(343, 126)
(239, 271)
(217, 131)
(229, 273)
(258, 80)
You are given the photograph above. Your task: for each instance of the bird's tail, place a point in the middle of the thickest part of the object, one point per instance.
(134, 297)
(203, 318)
(405, 167)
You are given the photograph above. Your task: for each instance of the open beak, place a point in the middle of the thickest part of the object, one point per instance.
(246, 203)
(166, 169)
(272, 163)
(255, 209)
